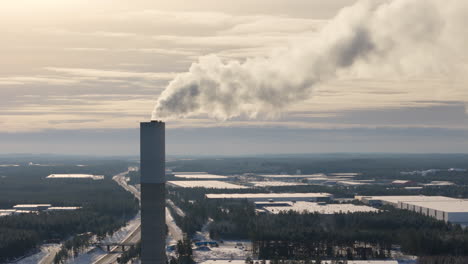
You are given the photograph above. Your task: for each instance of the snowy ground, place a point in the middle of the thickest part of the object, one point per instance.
(36, 258)
(124, 231)
(228, 250)
(204, 234)
(323, 262)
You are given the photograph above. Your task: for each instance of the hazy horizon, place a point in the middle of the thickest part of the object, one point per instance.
(80, 84)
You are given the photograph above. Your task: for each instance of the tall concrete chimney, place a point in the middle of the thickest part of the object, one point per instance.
(153, 209)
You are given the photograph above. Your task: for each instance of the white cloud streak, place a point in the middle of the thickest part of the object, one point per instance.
(116, 74)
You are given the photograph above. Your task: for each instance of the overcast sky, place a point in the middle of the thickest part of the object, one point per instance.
(77, 77)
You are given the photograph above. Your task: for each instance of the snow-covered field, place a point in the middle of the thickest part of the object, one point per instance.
(9, 165)
(323, 262)
(228, 250)
(124, 231)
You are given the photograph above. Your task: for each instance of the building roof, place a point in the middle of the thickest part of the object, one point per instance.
(439, 183)
(75, 176)
(346, 174)
(321, 209)
(318, 179)
(265, 195)
(206, 184)
(275, 183)
(31, 205)
(457, 206)
(401, 182)
(67, 208)
(413, 188)
(292, 176)
(352, 183)
(199, 176)
(189, 172)
(406, 198)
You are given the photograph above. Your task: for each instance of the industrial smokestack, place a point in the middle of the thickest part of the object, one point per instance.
(153, 216)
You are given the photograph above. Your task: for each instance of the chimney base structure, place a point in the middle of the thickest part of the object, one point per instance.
(153, 190)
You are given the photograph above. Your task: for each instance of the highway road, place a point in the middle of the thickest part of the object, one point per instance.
(133, 237)
(49, 258)
(120, 179)
(175, 233)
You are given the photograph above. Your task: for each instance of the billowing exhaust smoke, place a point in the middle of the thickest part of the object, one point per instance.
(404, 38)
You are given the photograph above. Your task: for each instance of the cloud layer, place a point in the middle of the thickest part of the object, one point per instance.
(385, 39)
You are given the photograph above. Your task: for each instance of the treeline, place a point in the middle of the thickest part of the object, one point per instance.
(371, 165)
(442, 260)
(22, 233)
(73, 247)
(338, 191)
(28, 184)
(184, 253)
(351, 236)
(105, 206)
(194, 220)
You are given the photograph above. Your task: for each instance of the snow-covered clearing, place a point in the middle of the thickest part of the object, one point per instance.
(228, 250)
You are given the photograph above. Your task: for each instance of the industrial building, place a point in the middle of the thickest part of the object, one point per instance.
(346, 174)
(218, 261)
(200, 176)
(307, 197)
(320, 208)
(439, 183)
(403, 183)
(6, 212)
(205, 184)
(394, 200)
(275, 183)
(286, 177)
(32, 207)
(448, 211)
(153, 202)
(66, 208)
(35, 208)
(439, 207)
(75, 176)
(351, 183)
(318, 180)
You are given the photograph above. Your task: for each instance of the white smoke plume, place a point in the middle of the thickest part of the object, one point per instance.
(407, 38)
